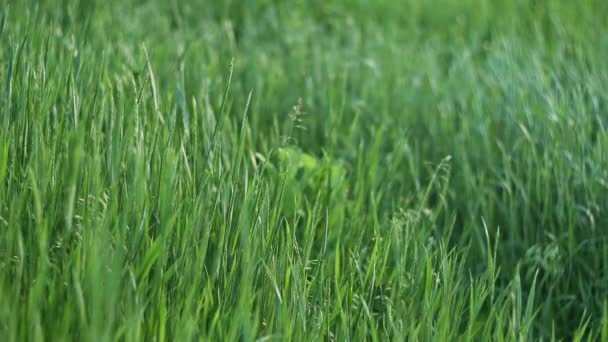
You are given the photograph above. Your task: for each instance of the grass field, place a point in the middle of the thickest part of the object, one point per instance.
(303, 170)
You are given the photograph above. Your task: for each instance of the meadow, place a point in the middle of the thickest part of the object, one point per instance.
(303, 170)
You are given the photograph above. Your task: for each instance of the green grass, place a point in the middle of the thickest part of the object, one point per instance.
(303, 170)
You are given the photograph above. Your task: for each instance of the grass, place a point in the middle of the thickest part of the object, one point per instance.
(303, 170)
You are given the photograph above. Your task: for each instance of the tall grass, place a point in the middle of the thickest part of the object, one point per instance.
(323, 170)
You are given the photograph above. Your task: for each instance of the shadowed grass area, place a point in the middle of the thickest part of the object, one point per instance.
(303, 170)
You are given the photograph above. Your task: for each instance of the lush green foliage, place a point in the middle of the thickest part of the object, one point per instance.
(306, 170)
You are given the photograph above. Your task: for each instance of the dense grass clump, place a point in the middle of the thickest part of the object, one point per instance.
(303, 170)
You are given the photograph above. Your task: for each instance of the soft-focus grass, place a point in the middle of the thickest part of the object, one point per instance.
(303, 170)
